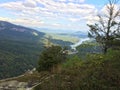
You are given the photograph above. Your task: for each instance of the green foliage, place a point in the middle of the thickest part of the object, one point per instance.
(61, 42)
(96, 72)
(88, 48)
(50, 57)
(71, 62)
(16, 57)
(19, 49)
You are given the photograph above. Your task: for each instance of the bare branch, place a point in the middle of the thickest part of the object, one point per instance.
(108, 26)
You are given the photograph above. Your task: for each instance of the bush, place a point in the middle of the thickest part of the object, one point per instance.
(50, 58)
(97, 72)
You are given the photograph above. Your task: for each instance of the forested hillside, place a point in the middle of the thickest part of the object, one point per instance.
(17, 57)
(20, 48)
(88, 48)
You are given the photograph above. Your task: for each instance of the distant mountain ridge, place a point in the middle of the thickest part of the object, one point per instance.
(16, 32)
(80, 34)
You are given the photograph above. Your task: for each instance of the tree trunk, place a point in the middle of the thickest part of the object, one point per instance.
(105, 49)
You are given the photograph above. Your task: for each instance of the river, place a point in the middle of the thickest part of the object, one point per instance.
(79, 43)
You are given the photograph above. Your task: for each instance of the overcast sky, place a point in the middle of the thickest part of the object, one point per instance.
(69, 15)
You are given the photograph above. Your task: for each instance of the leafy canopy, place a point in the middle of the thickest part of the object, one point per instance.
(50, 57)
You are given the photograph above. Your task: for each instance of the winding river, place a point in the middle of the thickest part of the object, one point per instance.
(79, 43)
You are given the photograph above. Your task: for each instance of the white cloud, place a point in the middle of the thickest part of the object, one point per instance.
(29, 22)
(74, 19)
(56, 24)
(62, 0)
(22, 21)
(30, 3)
(50, 6)
(13, 6)
(104, 13)
(78, 1)
(81, 0)
(30, 12)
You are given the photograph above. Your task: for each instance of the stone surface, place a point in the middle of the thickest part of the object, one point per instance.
(13, 85)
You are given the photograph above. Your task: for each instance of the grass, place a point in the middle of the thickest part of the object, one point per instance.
(69, 38)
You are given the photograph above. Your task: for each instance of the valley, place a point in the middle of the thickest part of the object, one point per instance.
(20, 48)
(59, 44)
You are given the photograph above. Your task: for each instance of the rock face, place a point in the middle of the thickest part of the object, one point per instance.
(13, 85)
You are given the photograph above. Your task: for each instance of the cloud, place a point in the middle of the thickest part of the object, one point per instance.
(104, 13)
(68, 10)
(50, 7)
(30, 3)
(78, 1)
(31, 12)
(62, 0)
(56, 24)
(13, 6)
(74, 19)
(22, 21)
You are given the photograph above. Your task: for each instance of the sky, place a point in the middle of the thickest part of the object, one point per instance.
(61, 15)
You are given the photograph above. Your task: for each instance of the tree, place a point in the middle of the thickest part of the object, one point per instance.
(107, 28)
(50, 57)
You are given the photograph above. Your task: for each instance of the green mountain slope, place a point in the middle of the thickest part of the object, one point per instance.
(17, 57)
(19, 33)
(20, 48)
